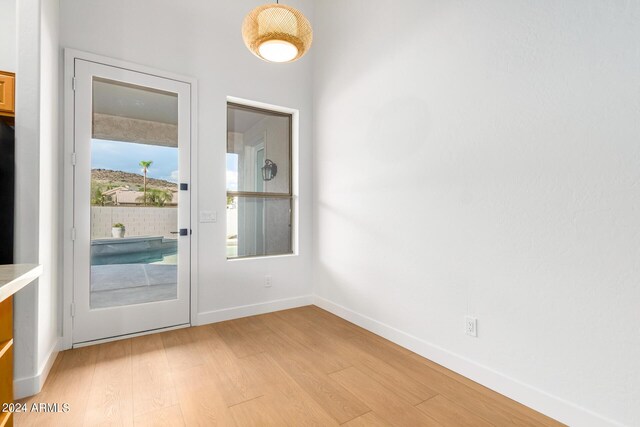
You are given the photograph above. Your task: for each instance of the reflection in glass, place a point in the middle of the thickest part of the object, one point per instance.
(259, 196)
(253, 137)
(258, 226)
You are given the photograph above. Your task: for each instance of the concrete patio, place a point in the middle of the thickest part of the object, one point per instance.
(125, 284)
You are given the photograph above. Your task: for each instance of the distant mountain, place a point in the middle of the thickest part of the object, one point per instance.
(133, 180)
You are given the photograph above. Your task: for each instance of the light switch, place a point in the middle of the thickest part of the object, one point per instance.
(208, 216)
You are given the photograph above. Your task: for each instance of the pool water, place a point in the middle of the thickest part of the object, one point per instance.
(168, 259)
(138, 250)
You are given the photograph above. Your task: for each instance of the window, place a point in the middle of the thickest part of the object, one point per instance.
(259, 189)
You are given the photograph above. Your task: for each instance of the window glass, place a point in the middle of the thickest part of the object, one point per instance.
(258, 226)
(255, 136)
(259, 198)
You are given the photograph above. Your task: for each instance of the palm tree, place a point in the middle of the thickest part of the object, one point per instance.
(97, 194)
(157, 197)
(146, 164)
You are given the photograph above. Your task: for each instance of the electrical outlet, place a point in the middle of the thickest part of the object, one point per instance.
(267, 281)
(471, 326)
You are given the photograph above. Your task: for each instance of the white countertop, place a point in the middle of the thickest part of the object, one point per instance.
(14, 277)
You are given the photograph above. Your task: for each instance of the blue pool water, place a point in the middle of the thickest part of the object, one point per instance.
(134, 250)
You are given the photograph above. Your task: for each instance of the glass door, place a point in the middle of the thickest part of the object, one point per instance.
(131, 204)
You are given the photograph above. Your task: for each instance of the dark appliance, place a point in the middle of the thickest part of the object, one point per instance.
(7, 189)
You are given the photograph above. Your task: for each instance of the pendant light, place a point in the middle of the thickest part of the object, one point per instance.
(277, 33)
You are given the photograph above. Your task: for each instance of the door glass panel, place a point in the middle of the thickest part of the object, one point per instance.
(134, 195)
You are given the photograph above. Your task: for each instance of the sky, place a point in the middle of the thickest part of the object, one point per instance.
(232, 172)
(126, 157)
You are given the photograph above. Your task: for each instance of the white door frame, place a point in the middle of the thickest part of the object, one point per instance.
(70, 55)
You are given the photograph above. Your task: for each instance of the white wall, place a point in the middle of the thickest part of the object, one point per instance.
(507, 133)
(8, 55)
(202, 39)
(37, 228)
(50, 243)
(27, 184)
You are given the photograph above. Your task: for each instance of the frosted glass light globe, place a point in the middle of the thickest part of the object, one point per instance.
(278, 51)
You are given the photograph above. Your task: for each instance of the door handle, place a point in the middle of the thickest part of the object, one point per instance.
(184, 232)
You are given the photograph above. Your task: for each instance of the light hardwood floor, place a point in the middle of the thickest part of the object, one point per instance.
(291, 368)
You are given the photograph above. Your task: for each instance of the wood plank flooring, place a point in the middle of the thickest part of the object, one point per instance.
(299, 367)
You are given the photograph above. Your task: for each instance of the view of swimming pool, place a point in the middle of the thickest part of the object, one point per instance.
(134, 250)
(133, 270)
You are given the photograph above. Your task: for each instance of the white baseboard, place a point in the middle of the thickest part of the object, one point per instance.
(543, 402)
(28, 386)
(252, 309)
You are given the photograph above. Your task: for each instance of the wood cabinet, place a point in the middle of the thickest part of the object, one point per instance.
(6, 358)
(7, 95)
(13, 277)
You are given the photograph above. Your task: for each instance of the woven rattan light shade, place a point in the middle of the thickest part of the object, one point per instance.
(279, 26)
